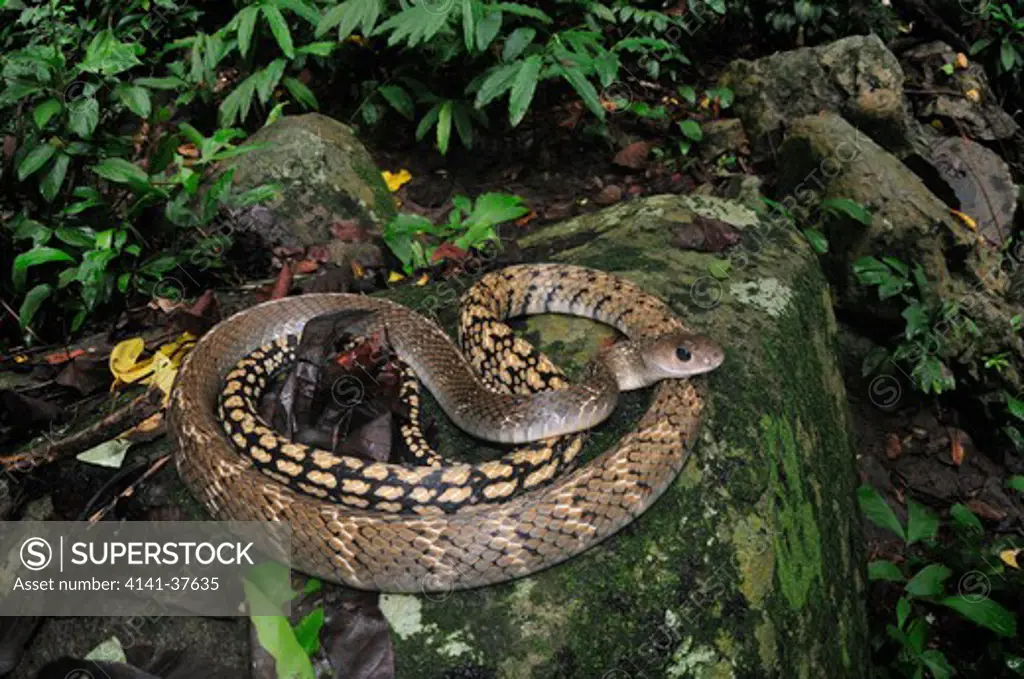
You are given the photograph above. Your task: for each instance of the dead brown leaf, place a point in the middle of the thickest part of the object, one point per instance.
(893, 446)
(633, 156)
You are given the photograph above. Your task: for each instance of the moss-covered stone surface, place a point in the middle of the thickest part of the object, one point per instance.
(325, 174)
(749, 565)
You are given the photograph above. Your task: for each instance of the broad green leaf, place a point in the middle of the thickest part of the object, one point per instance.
(236, 105)
(688, 94)
(583, 88)
(817, 240)
(517, 42)
(984, 612)
(885, 570)
(499, 81)
(399, 100)
(1007, 54)
(53, 180)
(922, 524)
(167, 83)
(83, 116)
(937, 663)
(319, 49)
(42, 113)
(444, 127)
(902, 611)
(487, 29)
(692, 130)
(522, 10)
(310, 14)
(34, 160)
(34, 298)
(35, 256)
(246, 26)
(79, 238)
(110, 453)
(928, 581)
(268, 78)
(348, 15)
(274, 632)
(275, 114)
(308, 630)
(877, 510)
(108, 56)
(1016, 482)
(135, 98)
(966, 518)
(279, 28)
(848, 207)
(428, 121)
(468, 24)
(463, 125)
(1015, 406)
(121, 171)
(301, 93)
(523, 89)
(980, 45)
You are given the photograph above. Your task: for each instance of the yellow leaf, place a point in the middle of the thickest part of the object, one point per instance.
(968, 222)
(1009, 557)
(394, 277)
(423, 280)
(20, 358)
(973, 95)
(124, 363)
(357, 269)
(395, 180)
(961, 60)
(356, 40)
(705, 101)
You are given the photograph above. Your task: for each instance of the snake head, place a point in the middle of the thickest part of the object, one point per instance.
(681, 354)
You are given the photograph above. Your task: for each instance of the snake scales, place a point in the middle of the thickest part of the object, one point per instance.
(453, 526)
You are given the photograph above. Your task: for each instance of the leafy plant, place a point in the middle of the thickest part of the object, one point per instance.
(417, 242)
(932, 324)
(1008, 29)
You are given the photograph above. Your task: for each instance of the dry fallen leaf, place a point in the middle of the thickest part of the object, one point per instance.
(973, 95)
(394, 277)
(423, 280)
(633, 156)
(967, 221)
(893, 446)
(956, 449)
(395, 180)
(1009, 557)
(961, 60)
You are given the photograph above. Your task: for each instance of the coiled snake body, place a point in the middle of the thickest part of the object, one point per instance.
(402, 528)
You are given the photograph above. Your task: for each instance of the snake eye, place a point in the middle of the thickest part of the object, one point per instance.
(683, 354)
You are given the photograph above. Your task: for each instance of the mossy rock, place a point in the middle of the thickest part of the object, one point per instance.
(326, 176)
(750, 564)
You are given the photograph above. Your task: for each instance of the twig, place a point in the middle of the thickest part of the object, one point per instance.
(157, 465)
(17, 319)
(123, 418)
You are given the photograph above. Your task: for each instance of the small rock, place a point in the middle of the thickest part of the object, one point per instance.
(609, 195)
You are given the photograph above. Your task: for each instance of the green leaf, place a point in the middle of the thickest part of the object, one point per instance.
(498, 81)
(487, 29)
(444, 127)
(922, 524)
(688, 94)
(267, 79)
(319, 49)
(980, 45)
(850, 208)
(1007, 54)
(275, 113)
(35, 256)
(884, 570)
(468, 24)
(348, 15)
(523, 89)
(34, 160)
(937, 664)
(522, 10)
(83, 116)
(308, 630)
(310, 14)
(77, 237)
(246, 26)
(877, 510)
(279, 27)
(274, 632)
(966, 518)
(1016, 482)
(121, 171)
(691, 129)
(108, 56)
(34, 298)
(817, 240)
(517, 42)
(463, 126)
(902, 611)
(168, 83)
(135, 98)
(399, 100)
(583, 88)
(415, 24)
(42, 113)
(301, 93)
(428, 121)
(1015, 406)
(928, 581)
(51, 184)
(896, 265)
(986, 613)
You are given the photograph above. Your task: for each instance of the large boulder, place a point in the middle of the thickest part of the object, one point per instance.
(326, 177)
(750, 564)
(856, 77)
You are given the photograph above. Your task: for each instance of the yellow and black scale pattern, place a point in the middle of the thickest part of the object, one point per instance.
(425, 485)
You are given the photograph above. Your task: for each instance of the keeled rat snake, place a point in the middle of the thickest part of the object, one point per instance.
(445, 526)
